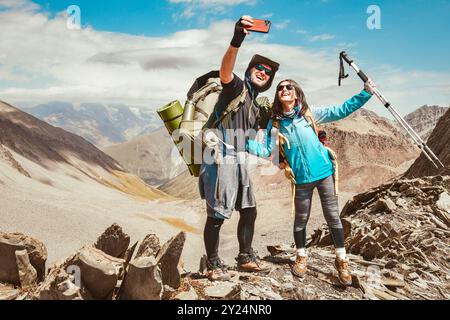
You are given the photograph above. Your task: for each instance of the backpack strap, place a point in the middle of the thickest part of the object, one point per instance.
(310, 119)
(333, 157)
(288, 172)
(232, 107)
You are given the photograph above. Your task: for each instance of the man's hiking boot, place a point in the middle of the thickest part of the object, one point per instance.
(250, 262)
(216, 271)
(345, 277)
(299, 268)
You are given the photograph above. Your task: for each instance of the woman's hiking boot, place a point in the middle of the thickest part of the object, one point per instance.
(299, 268)
(345, 277)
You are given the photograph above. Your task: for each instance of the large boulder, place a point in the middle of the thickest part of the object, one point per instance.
(99, 272)
(12, 242)
(143, 280)
(169, 259)
(113, 241)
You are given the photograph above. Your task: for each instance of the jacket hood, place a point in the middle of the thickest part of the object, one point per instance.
(260, 59)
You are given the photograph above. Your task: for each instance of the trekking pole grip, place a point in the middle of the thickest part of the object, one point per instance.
(345, 56)
(347, 59)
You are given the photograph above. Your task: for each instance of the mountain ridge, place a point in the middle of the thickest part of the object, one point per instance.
(98, 123)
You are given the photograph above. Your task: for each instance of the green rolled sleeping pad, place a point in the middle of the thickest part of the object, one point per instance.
(172, 115)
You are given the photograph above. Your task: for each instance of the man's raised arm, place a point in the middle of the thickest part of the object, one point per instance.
(229, 59)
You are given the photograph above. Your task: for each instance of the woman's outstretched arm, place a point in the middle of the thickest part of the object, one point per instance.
(335, 113)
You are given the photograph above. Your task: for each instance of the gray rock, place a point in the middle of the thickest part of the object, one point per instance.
(287, 287)
(113, 241)
(187, 295)
(27, 273)
(262, 292)
(143, 280)
(221, 290)
(444, 202)
(9, 244)
(401, 203)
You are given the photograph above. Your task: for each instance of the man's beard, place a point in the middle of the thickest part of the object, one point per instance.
(257, 86)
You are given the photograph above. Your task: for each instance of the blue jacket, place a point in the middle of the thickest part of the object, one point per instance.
(307, 156)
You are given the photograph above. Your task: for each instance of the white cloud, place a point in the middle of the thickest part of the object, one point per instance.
(321, 37)
(282, 25)
(41, 60)
(204, 10)
(301, 31)
(267, 16)
(18, 4)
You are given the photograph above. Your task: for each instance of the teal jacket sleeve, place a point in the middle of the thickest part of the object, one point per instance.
(334, 113)
(265, 148)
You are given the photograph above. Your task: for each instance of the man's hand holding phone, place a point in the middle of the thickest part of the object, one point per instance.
(246, 24)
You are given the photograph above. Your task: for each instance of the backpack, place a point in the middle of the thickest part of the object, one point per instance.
(201, 112)
(288, 170)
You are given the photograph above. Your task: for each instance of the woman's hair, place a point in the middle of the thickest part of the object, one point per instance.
(277, 108)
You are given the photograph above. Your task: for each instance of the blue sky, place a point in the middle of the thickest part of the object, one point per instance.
(414, 34)
(147, 53)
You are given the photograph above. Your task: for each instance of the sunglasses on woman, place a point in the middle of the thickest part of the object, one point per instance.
(287, 86)
(260, 67)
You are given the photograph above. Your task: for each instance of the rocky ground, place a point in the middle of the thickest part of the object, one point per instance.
(397, 236)
(403, 227)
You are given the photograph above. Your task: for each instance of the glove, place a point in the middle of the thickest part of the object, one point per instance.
(239, 34)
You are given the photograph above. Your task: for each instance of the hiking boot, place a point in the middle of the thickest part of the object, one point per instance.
(299, 268)
(250, 262)
(345, 277)
(216, 271)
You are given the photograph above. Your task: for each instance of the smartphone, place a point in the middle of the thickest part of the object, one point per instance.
(259, 25)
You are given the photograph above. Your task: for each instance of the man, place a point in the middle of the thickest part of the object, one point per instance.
(227, 186)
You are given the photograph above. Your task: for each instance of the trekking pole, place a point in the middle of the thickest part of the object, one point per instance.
(416, 138)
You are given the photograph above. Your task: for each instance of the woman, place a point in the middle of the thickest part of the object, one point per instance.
(310, 163)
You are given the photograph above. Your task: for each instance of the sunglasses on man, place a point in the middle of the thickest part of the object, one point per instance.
(288, 87)
(260, 67)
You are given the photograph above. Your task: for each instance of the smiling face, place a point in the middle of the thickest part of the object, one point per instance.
(287, 95)
(259, 76)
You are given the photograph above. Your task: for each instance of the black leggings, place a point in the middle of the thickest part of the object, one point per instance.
(245, 232)
(303, 198)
